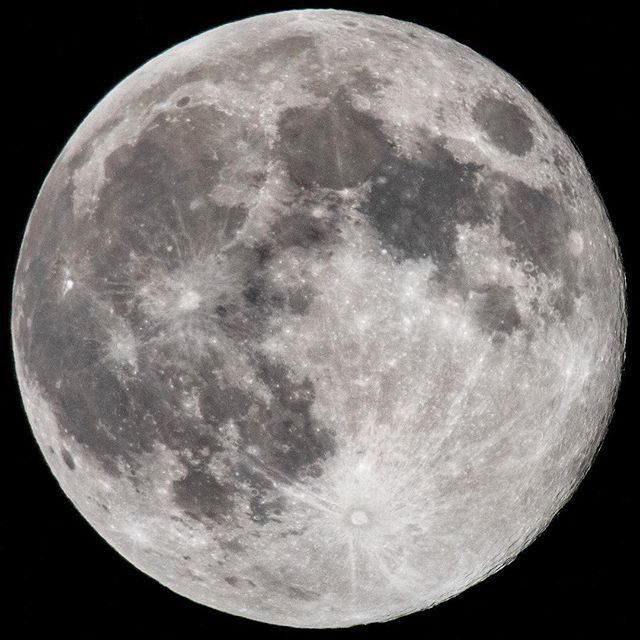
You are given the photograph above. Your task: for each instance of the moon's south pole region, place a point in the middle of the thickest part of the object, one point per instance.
(318, 318)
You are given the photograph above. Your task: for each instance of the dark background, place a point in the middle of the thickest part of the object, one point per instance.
(572, 582)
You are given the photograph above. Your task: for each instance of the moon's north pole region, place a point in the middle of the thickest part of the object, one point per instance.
(319, 318)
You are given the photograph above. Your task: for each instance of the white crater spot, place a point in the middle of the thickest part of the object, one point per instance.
(576, 244)
(190, 300)
(359, 518)
(68, 285)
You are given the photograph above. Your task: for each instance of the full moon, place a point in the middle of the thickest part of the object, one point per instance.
(319, 318)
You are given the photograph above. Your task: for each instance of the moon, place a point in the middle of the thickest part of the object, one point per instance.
(319, 318)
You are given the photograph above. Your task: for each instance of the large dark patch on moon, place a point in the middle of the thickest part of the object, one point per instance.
(506, 124)
(415, 205)
(333, 146)
(154, 198)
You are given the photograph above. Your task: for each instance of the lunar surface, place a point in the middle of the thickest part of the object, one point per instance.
(319, 318)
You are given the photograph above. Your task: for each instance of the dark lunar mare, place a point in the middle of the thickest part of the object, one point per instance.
(498, 310)
(415, 205)
(154, 196)
(333, 146)
(506, 124)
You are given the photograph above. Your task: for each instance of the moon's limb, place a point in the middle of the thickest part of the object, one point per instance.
(318, 318)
